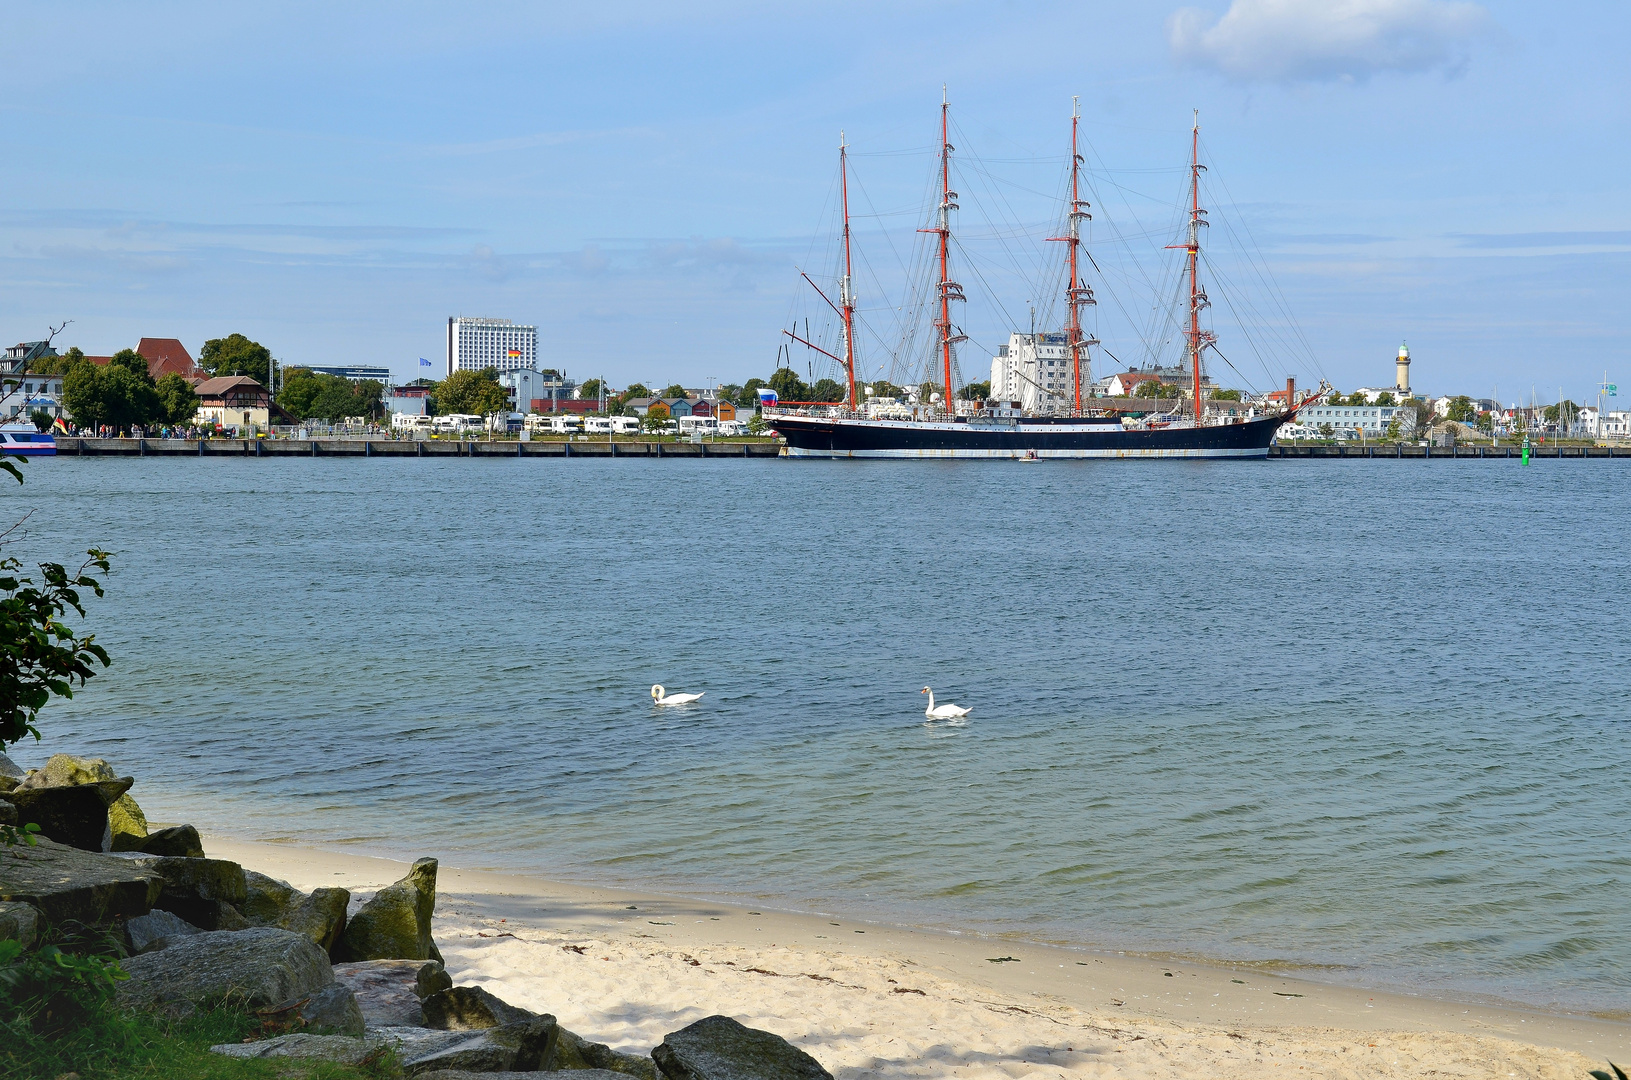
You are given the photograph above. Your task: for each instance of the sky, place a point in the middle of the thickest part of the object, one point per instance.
(645, 181)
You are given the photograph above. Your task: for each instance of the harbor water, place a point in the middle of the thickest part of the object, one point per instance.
(1358, 721)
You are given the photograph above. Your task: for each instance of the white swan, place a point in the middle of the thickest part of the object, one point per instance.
(942, 712)
(663, 697)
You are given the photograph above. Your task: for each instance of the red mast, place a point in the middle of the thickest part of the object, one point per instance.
(949, 289)
(1198, 339)
(846, 296)
(1077, 292)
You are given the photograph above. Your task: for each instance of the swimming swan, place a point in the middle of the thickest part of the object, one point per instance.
(942, 712)
(663, 697)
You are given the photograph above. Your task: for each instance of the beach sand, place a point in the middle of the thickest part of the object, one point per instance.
(876, 1001)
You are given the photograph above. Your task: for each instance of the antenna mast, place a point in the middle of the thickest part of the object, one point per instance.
(1077, 292)
(846, 295)
(949, 289)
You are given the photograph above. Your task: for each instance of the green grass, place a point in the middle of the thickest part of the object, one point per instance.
(114, 1045)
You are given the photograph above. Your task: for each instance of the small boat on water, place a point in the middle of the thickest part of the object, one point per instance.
(24, 438)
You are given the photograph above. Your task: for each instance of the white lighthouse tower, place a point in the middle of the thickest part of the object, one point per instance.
(1402, 380)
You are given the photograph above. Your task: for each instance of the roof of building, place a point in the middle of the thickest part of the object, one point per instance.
(224, 384)
(168, 356)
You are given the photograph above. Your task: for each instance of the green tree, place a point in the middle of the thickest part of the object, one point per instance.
(620, 403)
(56, 365)
(1394, 428)
(177, 402)
(1226, 395)
(113, 395)
(883, 388)
(828, 390)
(1357, 398)
(1461, 410)
(731, 392)
(1386, 398)
(1327, 431)
(1485, 423)
(653, 422)
(1569, 411)
(237, 355)
(1155, 388)
(40, 656)
(673, 390)
(748, 396)
(976, 391)
(757, 425)
(589, 390)
(133, 362)
(788, 386)
(475, 393)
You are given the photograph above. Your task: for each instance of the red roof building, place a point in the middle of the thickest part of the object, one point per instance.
(167, 356)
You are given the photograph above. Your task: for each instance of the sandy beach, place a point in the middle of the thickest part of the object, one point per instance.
(876, 1001)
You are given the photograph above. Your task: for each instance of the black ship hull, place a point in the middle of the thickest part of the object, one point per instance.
(826, 437)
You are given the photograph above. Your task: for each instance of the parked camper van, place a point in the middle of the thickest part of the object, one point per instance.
(698, 425)
(565, 425)
(598, 425)
(625, 425)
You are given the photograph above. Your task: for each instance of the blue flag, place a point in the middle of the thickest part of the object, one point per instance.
(425, 363)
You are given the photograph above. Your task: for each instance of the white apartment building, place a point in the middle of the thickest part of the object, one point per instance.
(1371, 419)
(473, 344)
(1034, 370)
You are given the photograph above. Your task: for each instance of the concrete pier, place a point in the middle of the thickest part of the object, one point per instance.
(78, 447)
(1399, 450)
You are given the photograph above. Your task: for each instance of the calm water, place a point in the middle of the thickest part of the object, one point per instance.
(1363, 719)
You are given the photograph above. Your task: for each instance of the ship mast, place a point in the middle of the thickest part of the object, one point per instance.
(1198, 339)
(949, 289)
(846, 294)
(1077, 292)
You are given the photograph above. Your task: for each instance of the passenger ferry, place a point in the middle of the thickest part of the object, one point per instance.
(24, 438)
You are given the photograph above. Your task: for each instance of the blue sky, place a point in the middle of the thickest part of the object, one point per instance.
(640, 180)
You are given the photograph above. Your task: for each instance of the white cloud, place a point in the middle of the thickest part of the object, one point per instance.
(1327, 40)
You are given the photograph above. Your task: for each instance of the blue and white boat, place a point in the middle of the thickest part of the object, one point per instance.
(25, 439)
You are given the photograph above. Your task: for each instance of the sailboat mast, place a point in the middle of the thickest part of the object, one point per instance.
(1196, 299)
(846, 294)
(947, 286)
(1073, 332)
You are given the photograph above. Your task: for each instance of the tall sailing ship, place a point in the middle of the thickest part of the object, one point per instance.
(944, 426)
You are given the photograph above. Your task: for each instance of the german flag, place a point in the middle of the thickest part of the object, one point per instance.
(514, 352)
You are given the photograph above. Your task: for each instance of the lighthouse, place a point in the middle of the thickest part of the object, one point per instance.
(1402, 380)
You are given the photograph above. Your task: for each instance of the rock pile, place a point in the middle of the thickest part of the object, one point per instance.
(205, 932)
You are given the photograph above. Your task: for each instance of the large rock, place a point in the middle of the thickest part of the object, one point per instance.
(320, 916)
(19, 922)
(432, 979)
(155, 930)
(526, 1046)
(395, 924)
(246, 968)
(9, 768)
(579, 1054)
(470, 1008)
(205, 892)
(385, 990)
(76, 816)
(178, 840)
(66, 770)
(65, 883)
(719, 1048)
(339, 1049)
(333, 1010)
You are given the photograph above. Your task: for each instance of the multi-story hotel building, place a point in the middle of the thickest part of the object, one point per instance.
(473, 344)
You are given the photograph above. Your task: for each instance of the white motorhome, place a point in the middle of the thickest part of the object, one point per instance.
(625, 425)
(598, 425)
(732, 427)
(698, 425)
(565, 425)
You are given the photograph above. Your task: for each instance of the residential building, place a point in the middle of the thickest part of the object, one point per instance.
(527, 385)
(1034, 369)
(474, 344)
(236, 401)
(1370, 419)
(678, 406)
(1126, 383)
(22, 392)
(1614, 425)
(354, 372)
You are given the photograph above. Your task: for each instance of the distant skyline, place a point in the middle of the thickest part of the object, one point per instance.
(640, 181)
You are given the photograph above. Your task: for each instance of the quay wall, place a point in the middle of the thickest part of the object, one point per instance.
(78, 447)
